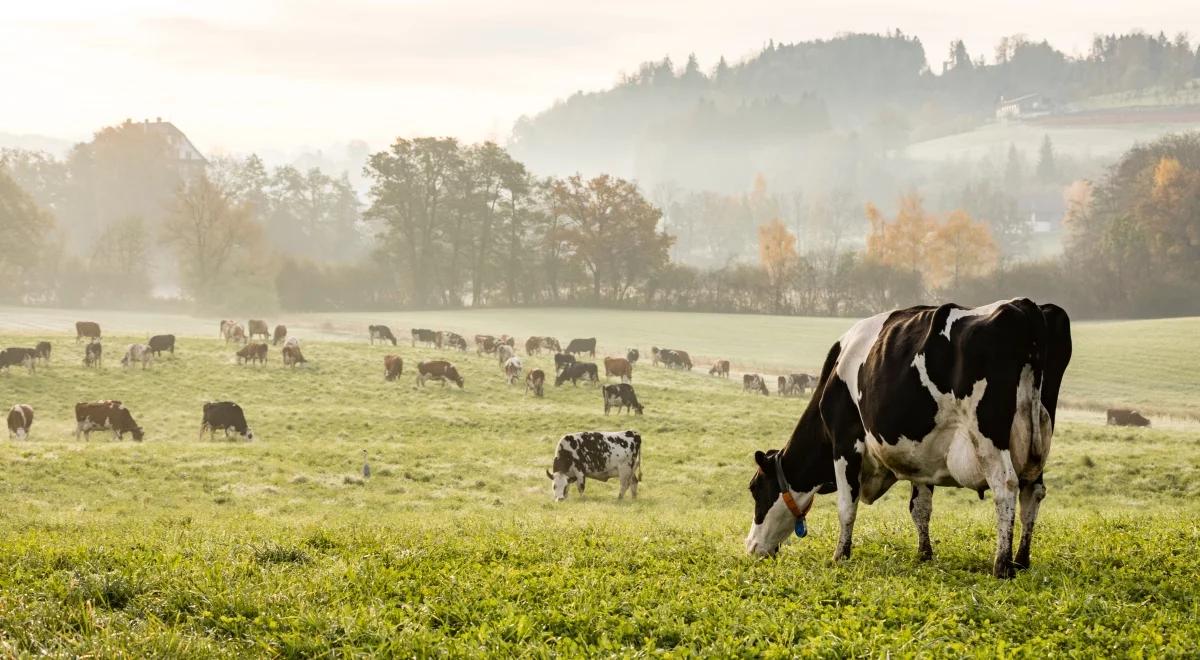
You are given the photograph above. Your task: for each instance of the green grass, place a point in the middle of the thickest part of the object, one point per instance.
(182, 547)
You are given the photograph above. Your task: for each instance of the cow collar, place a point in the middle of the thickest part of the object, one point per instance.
(785, 491)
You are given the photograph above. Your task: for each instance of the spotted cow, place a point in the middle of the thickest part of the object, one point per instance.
(20, 418)
(754, 383)
(720, 368)
(621, 396)
(105, 416)
(439, 370)
(512, 369)
(597, 455)
(136, 353)
(380, 333)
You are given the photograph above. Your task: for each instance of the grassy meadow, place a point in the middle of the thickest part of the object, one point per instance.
(184, 547)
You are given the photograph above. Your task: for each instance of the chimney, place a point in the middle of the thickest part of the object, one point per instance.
(158, 120)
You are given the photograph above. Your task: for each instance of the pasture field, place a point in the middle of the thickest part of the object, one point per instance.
(184, 547)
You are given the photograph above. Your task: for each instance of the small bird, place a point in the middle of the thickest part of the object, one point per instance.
(366, 466)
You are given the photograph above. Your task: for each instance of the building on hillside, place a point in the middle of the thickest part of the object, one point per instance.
(1022, 107)
(188, 159)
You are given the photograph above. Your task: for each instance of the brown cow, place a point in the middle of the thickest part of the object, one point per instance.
(280, 335)
(485, 344)
(1125, 417)
(252, 352)
(89, 329)
(226, 325)
(234, 332)
(619, 367)
(393, 367)
(720, 368)
(20, 418)
(533, 345)
(105, 415)
(258, 328)
(291, 355)
(536, 381)
(438, 370)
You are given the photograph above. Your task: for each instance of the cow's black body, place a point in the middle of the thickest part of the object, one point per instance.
(225, 416)
(577, 371)
(160, 343)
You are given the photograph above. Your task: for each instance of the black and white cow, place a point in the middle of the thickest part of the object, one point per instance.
(621, 396)
(936, 396)
(598, 455)
(381, 333)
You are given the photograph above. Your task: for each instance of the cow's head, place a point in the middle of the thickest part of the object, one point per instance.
(453, 376)
(773, 518)
(562, 481)
(249, 433)
(138, 434)
(637, 407)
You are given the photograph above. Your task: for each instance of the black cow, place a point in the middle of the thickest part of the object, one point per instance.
(381, 333)
(224, 416)
(1125, 417)
(599, 455)
(632, 355)
(578, 346)
(43, 351)
(562, 361)
(160, 343)
(621, 396)
(92, 354)
(424, 336)
(577, 371)
(936, 396)
(17, 356)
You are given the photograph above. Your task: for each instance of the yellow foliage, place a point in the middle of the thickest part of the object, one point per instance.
(1166, 173)
(941, 252)
(776, 248)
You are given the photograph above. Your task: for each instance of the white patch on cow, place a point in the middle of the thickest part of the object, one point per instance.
(856, 345)
(956, 314)
(859, 445)
(847, 505)
(764, 539)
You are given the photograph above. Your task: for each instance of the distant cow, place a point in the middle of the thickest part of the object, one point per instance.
(536, 380)
(503, 353)
(280, 335)
(20, 418)
(253, 352)
(259, 328)
(447, 339)
(506, 340)
(105, 416)
(393, 367)
(577, 371)
(438, 370)
(294, 342)
(754, 383)
(235, 333)
(619, 367)
(160, 343)
(679, 360)
(512, 369)
(423, 335)
(89, 329)
(291, 355)
(633, 355)
(381, 333)
(720, 368)
(485, 344)
(12, 357)
(621, 396)
(43, 351)
(226, 326)
(562, 361)
(224, 416)
(92, 354)
(137, 353)
(551, 344)
(579, 346)
(1126, 417)
(795, 384)
(533, 345)
(598, 455)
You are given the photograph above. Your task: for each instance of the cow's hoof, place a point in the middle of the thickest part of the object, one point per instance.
(925, 554)
(841, 554)
(1004, 570)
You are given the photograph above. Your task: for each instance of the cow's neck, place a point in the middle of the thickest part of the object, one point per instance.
(807, 458)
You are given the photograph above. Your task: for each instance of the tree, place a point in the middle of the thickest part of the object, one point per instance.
(1013, 171)
(1047, 171)
(961, 248)
(208, 230)
(23, 224)
(120, 259)
(777, 254)
(903, 242)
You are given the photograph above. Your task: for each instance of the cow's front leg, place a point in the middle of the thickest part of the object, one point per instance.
(1032, 494)
(1003, 481)
(846, 470)
(920, 506)
(582, 483)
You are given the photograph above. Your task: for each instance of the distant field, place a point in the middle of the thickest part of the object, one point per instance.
(189, 548)
(1153, 365)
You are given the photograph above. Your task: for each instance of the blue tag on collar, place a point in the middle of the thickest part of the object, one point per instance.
(801, 528)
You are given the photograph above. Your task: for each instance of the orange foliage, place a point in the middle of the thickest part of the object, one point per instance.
(941, 252)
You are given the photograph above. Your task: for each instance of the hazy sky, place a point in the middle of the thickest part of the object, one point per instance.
(241, 75)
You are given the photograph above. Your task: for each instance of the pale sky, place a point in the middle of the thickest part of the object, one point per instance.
(245, 75)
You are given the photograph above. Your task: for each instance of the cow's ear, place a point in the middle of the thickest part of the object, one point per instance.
(549, 476)
(764, 463)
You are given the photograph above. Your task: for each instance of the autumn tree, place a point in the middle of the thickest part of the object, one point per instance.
(213, 236)
(777, 255)
(961, 248)
(904, 241)
(24, 225)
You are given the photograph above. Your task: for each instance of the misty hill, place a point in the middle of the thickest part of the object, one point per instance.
(828, 113)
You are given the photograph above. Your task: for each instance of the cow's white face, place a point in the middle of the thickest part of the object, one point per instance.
(562, 482)
(765, 537)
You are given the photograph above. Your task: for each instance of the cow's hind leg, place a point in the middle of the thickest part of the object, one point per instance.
(1032, 494)
(920, 505)
(1002, 479)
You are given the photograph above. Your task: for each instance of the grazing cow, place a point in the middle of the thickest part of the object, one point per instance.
(579, 346)
(619, 367)
(936, 396)
(381, 333)
(551, 344)
(577, 371)
(105, 416)
(393, 367)
(137, 353)
(438, 370)
(226, 326)
(536, 380)
(533, 345)
(280, 335)
(454, 340)
(20, 418)
(294, 342)
(424, 335)
(679, 360)
(89, 329)
(754, 383)
(503, 353)
(26, 357)
(235, 333)
(783, 387)
(92, 354)
(485, 344)
(512, 369)
(224, 416)
(291, 355)
(160, 343)
(562, 361)
(720, 368)
(633, 355)
(254, 352)
(598, 455)
(258, 328)
(43, 351)
(1126, 417)
(795, 384)
(621, 396)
